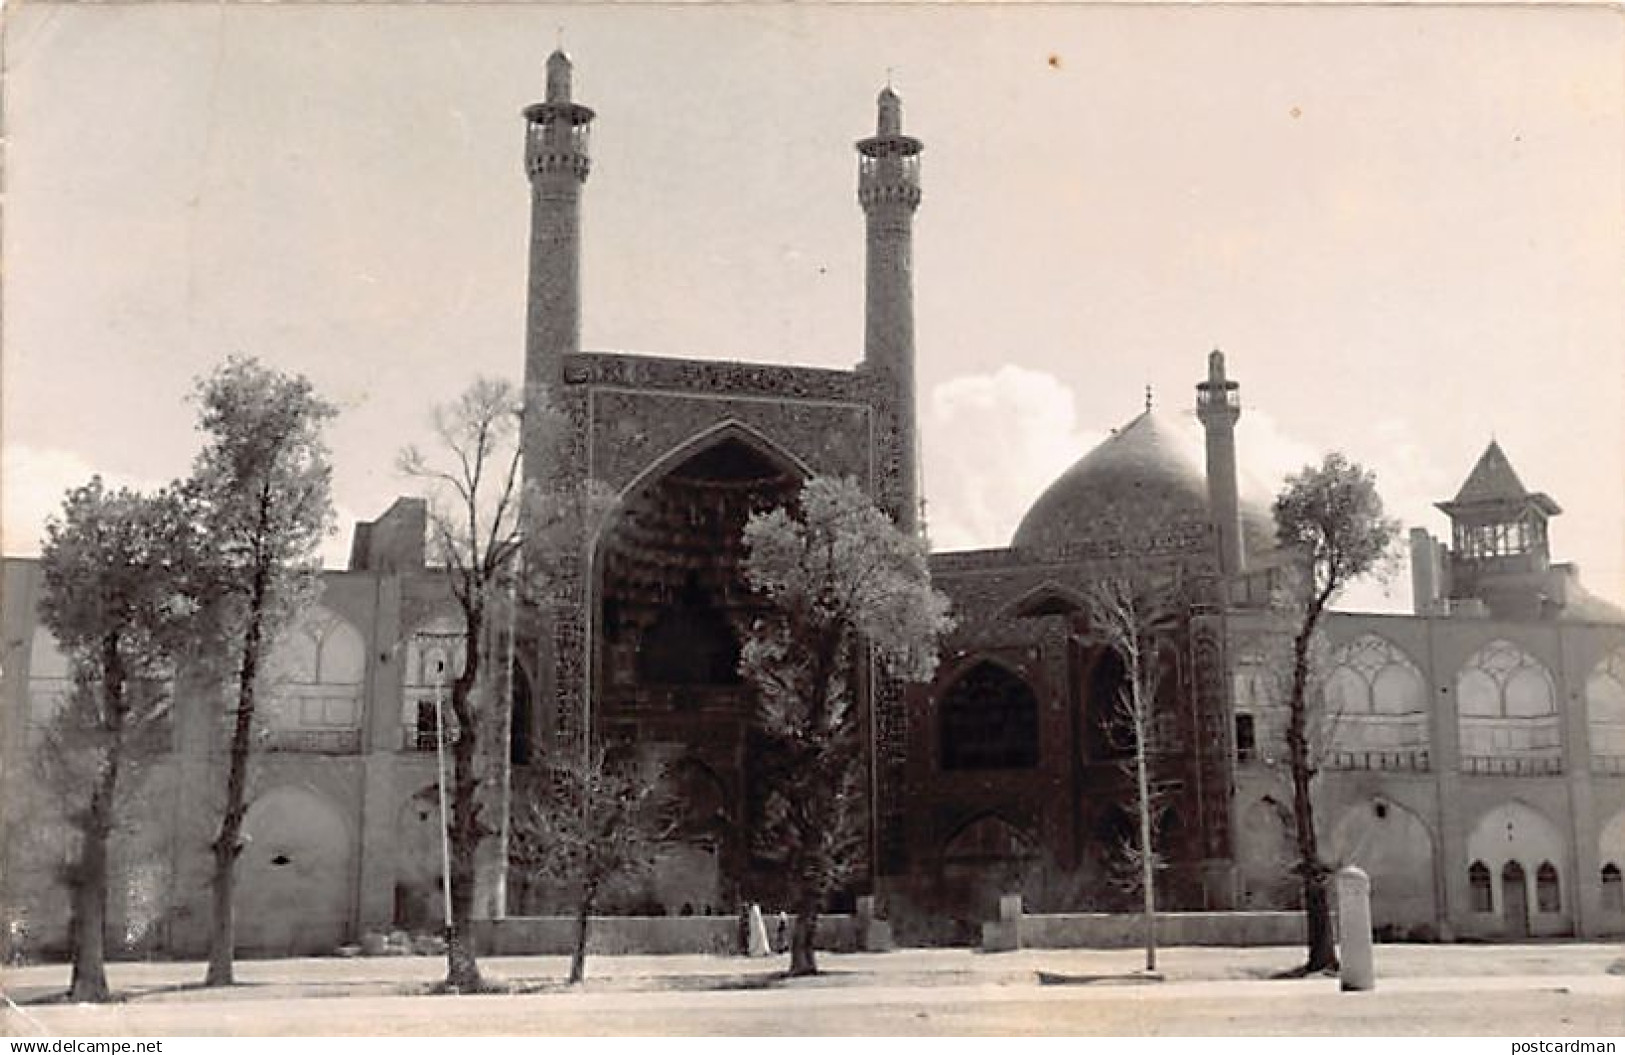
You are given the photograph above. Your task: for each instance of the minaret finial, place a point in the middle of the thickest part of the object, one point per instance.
(889, 120)
(1148, 398)
(558, 75)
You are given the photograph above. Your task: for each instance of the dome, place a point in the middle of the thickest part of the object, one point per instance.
(1148, 475)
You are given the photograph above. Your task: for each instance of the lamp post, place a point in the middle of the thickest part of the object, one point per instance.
(500, 906)
(440, 781)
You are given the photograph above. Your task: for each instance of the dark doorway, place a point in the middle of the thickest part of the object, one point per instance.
(675, 604)
(1515, 900)
(519, 718)
(989, 720)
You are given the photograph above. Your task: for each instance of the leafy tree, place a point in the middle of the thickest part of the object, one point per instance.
(112, 568)
(1132, 618)
(475, 525)
(263, 484)
(837, 575)
(591, 821)
(1330, 516)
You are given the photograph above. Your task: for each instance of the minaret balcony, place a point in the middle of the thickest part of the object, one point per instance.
(907, 194)
(558, 145)
(577, 165)
(889, 168)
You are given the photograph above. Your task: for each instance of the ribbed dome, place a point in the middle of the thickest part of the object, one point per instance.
(1147, 475)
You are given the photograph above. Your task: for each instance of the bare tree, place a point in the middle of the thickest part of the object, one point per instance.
(475, 527)
(263, 486)
(1331, 517)
(113, 569)
(837, 575)
(1132, 618)
(589, 822)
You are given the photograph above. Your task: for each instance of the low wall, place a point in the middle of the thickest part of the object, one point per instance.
(1101, 930)
(655, 935)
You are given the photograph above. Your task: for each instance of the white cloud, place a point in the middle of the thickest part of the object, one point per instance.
(1407, 479)
(992, 443)
(1268, 455)
(33, 483)
(35, 480)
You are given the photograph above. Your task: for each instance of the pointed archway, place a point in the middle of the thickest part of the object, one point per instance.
(672, 607)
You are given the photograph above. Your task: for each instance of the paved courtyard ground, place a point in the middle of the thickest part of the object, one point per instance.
(1519, 990)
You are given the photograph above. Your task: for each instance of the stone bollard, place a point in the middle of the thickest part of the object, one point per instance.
(758, 943)
(1358, 972)
(1005, 934)
(874, 935)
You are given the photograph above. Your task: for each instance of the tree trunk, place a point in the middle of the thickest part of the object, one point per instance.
(1312, 871)
(227, 847)
(1142, 789)
(223, 929)
(803, 958)
(1313, 874)
(89, 921)
(1317, 905)
(228, 844)
(462, 968)
(1148, 864)
(578, 958)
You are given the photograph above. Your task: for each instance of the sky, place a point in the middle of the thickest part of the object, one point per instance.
(1405, 226)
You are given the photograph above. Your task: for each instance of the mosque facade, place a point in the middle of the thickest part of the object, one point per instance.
(1475, 767)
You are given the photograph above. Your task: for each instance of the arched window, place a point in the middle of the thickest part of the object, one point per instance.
(1046, 601)
(1246, 738)
(519, 717)
(989, 720)
(1507, 707)
(1379, 701)
(1259, 719)
(988, 840)
(1605, 707)
(1478, 882)
(1613, 889)
(1502, 679)
(1548, 894)
(314, 681)
(1105, 734)
(434, 658)
(1372, 674)
(1515, 898)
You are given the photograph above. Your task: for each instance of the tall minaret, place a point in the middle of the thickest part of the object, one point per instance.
(1218, 405)
(557, 162)
(889, 191)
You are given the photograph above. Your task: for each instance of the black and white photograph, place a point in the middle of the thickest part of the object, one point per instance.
(808, 519)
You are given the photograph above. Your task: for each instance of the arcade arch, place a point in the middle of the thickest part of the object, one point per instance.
(295, 875)
(1507, 707)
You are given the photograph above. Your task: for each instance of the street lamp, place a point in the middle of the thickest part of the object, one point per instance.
(440, 775)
